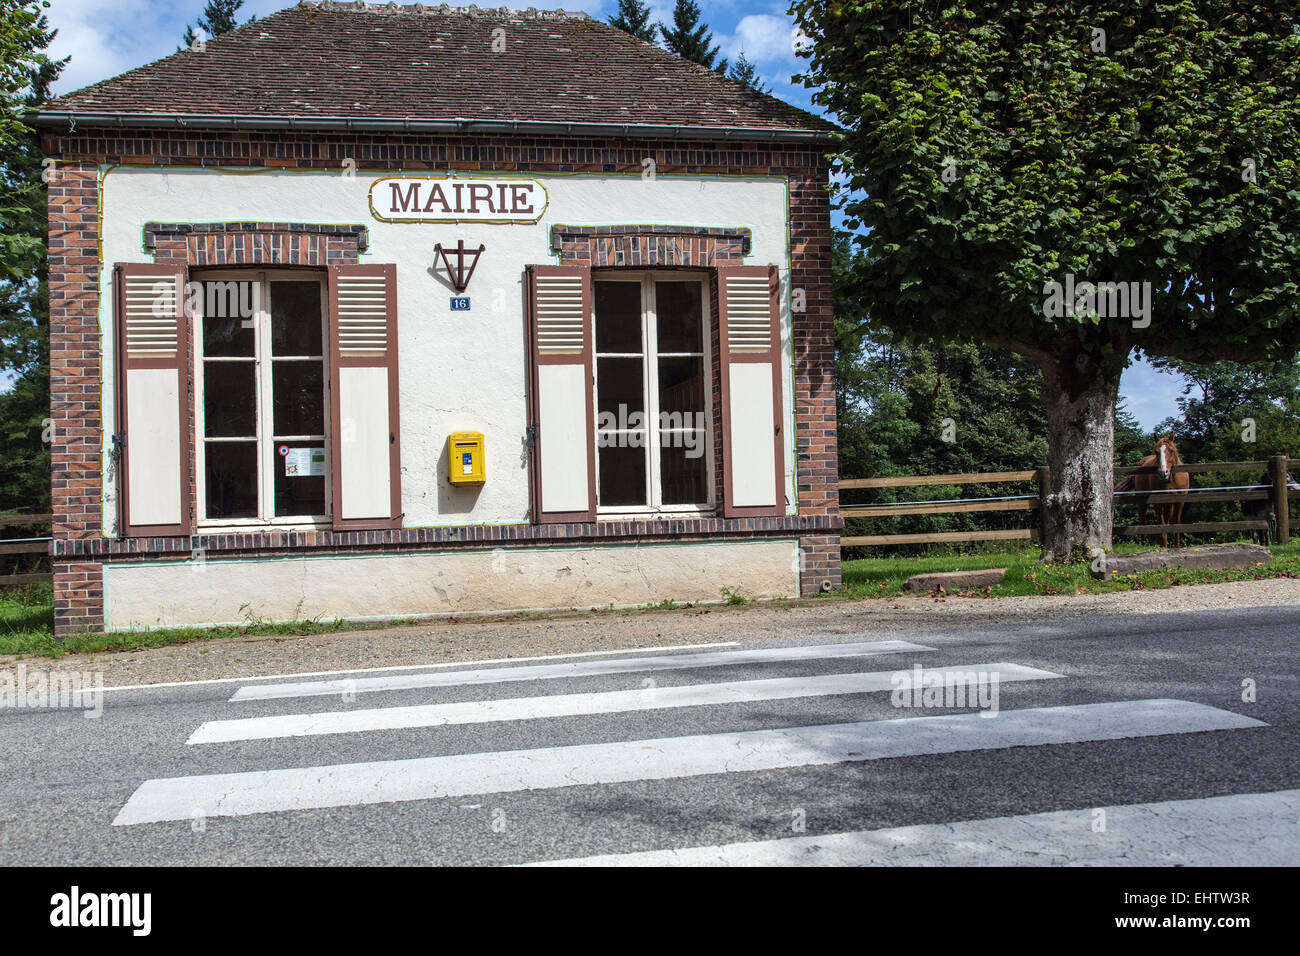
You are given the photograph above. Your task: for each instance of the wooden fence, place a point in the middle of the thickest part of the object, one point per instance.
(1278, 494)
(26, 545)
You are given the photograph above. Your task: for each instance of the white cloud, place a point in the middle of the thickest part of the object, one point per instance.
(108, 37)
(762, 37)
(103, 37)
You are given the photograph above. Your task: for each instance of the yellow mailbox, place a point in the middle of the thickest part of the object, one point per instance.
(465, 458)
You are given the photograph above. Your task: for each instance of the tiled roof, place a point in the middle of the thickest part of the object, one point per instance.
(332, 64)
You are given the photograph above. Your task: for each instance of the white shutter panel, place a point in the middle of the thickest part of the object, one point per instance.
(153, 406)
(753, 447)
(366, 464)
(564, 439)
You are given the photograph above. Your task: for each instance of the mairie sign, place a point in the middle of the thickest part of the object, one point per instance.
(430, 199)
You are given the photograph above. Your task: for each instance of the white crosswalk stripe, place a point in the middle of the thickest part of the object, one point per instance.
(608, 702)
(602, 667)
(1251, 829)
(354, 784)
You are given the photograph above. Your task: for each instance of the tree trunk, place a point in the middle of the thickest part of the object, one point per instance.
(1079, 396)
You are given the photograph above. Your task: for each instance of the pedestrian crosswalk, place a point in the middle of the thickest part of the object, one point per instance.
(1249, 829)
(570, 669)
(638, 757)
(650, 697)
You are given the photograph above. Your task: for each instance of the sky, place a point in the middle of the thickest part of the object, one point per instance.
(108, 37)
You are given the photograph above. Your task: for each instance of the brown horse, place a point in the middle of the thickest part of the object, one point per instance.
(1162, 459)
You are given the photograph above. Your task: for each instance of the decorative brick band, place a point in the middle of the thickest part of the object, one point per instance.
(650, 245)
(256, 243)
(597, 532)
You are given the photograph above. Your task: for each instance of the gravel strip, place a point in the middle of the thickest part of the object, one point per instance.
(438, 642)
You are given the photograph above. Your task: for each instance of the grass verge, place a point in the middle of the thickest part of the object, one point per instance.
(27, 629)
(27, 614)
(885, 577)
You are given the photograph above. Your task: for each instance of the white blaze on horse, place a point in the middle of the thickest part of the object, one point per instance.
(1162, 477)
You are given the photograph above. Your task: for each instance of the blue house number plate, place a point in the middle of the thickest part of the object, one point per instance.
(460, 303)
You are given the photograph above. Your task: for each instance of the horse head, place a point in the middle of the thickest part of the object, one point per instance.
(1166, 455)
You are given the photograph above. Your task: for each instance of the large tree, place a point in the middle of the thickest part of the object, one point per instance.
(690, 39)
(995, 147)
(25, 78)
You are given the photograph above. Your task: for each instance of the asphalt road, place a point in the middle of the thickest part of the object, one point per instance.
(1115, 740)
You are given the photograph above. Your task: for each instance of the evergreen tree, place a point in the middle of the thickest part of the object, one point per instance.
(24, 294)
(690, 39)
(634, 17)
(744, 71)
(218, 18)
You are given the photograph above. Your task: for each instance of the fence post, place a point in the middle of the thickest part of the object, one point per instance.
(1043, 475)
(1277, 466)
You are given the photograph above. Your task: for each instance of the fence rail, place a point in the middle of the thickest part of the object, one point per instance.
(23, 546)
(1278, 494)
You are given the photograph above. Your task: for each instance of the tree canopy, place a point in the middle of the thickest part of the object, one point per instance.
(1003, 158)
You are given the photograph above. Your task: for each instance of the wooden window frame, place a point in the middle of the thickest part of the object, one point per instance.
(650, 356)
(264, 410)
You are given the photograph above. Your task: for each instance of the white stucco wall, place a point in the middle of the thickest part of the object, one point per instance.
(458, 370)
(189, 593)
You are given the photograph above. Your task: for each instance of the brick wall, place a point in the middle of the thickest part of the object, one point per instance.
(74, 305)
(74, 350)
(819, 564)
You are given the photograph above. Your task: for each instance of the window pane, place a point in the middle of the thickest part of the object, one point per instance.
(680, 311)
(301, 493)
(618, 317)
(681, 391)
(231, 479)
(620, 391)
(682, 471)
(298, 398)
(229, 399)
(227, 338)
(228, 310)
(622, 473)
(296, 318)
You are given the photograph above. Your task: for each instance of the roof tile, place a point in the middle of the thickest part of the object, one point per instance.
(328, 60)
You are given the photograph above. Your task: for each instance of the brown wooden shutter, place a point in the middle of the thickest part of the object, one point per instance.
(153, 403)
(753, 446)
(364, 432)
(562, 418)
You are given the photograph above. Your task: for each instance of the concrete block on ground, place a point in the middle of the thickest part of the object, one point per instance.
(956, 580)
(1213, 556)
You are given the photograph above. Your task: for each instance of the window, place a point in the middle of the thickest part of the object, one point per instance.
(653, 393)
(261, 412)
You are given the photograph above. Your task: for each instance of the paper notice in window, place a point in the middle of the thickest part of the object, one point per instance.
(304, 462)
